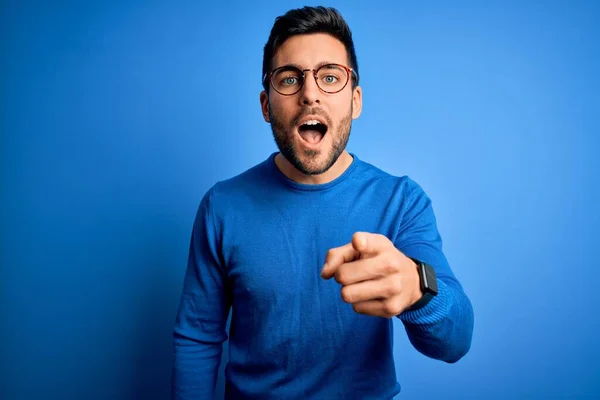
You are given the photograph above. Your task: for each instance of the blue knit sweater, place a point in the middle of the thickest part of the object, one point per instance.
(257, 248)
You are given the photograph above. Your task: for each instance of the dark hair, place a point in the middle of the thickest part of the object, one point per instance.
(308, 20)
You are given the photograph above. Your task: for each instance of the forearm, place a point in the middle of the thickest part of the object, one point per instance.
(195, 368)
(442, 329)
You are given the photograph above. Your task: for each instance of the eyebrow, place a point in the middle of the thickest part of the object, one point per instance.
(319, 65)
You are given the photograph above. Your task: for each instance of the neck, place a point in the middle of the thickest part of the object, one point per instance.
(337, 169)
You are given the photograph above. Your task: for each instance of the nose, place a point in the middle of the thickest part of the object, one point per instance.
(310, 92)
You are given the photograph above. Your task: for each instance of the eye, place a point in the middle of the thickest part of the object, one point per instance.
(289, 80)
(330, 79)
(332, 76)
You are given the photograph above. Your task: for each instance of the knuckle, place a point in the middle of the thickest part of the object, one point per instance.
(391, 289)
(346, 295)
(380, 236)
(395, 263)
(391, 308)
(330, 256)
(339, 276)
(398, 283)
(388, 268)
(384, 240)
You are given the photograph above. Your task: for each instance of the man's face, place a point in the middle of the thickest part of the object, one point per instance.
(311, 149)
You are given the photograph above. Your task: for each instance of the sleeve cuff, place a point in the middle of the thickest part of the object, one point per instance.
(435, 311)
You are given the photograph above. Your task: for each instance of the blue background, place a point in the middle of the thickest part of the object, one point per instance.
(116, 118)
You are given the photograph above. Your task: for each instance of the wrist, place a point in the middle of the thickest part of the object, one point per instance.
(434, 311)
(427, 285)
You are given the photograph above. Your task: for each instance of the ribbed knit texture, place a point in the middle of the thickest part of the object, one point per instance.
(257, 249)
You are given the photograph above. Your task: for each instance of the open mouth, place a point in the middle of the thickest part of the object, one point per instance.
(312, 131)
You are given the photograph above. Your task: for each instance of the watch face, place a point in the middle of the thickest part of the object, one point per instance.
(429, 279)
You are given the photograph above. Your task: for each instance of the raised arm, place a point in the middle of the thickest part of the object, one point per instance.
(443, 328)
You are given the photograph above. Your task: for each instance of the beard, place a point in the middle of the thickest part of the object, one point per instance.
(284, 138)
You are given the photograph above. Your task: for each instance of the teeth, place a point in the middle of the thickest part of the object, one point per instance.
(312, 122)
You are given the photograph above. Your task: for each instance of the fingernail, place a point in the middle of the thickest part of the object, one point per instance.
(324, 269)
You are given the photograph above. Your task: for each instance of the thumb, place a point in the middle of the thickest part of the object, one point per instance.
(360, 242)
(369, 243)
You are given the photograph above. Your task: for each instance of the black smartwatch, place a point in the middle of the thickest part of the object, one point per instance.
(428, 282)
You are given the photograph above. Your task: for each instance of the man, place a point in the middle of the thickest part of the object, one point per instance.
(313, 250)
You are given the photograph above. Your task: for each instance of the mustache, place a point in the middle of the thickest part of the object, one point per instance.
(311, 111)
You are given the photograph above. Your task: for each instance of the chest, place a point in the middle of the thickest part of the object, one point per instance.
(276, 261)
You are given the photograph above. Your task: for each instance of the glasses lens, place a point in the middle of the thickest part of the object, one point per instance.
(332, 78)
(287, 80)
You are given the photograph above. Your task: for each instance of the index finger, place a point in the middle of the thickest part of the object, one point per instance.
(336, 257)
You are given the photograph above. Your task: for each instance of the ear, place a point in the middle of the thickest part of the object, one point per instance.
(264, 105)
(356, 102)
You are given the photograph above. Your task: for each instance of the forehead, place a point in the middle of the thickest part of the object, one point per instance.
(310, 50)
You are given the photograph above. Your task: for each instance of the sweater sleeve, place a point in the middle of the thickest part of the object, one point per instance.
(200, 326)
(443, 328)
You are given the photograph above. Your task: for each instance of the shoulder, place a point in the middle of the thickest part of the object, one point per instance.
(231, 193)
(243, 183)
(397, 184)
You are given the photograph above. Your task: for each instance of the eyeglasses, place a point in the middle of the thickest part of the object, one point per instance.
(330, 78)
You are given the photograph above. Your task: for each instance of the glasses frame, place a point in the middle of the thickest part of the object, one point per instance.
(350, 73)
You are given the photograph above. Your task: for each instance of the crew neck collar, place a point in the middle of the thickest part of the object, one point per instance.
(310, 187)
